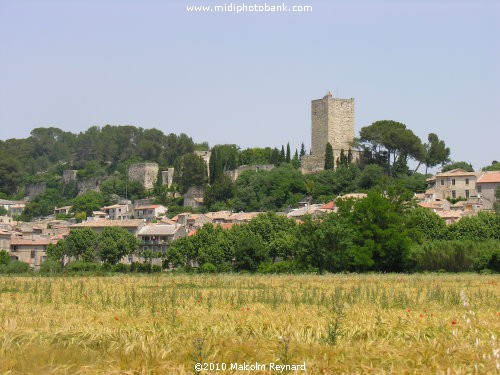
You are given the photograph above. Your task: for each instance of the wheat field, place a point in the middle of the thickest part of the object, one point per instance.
(334, 324)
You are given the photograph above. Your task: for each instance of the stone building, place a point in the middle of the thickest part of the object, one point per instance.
(456, 183)
(332, 120)
(144, 173)
(486, 185)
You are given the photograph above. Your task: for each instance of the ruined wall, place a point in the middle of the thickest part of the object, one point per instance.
(90, 184)
(69, 175)
(235, 173)
(167, 177)
(33, 189)
(144, 173)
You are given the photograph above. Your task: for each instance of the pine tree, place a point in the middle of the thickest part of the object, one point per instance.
(328, 157)
(288, 158)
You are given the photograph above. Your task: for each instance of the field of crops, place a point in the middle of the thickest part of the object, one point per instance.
(334, 324)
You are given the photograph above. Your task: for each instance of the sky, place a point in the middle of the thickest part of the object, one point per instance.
(248, 78)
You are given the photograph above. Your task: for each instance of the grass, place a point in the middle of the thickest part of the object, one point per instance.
(436, 323)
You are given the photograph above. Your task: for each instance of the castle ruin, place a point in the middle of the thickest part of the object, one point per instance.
(144, 173)
(332, 120)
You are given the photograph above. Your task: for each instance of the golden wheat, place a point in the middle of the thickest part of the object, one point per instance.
(353, 324)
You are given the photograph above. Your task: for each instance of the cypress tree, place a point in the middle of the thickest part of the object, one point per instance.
(282, 154)
(343, 158)
(302, 150)
(288, 156)
(328, 157)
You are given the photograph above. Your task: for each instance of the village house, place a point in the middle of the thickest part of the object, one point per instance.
(486, 186)
(454, 184)
(118, 212)
(150, 212)
(65, 210)
(16, 209)
(191, 221)
(30, 250)
(157, 237)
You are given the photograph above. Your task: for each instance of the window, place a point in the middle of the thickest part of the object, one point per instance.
(442, 182)
(467, 194)
(453, 181)
(478, 188)
(32, 255)
(453, 193)
(466, 181)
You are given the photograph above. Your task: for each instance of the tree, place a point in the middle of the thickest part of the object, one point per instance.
(220, 191)
(328, 157)
(288, 158)
(496, 205)
(4, 257)
(302, 150)
(250, 251)
(495, 166)
(282, 155)
(81, 244)
(458, 164)
(393, 138)
(223, 158)
(436, 152)
(190, 171)
(425, 225)
(343, 160)
(114, 243)
(88, 202)
(56, 252)
(296, 160)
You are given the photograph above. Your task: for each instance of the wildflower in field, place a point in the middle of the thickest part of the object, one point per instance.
(409, 310)
(453, 322)
(116, 318)
(421, 315)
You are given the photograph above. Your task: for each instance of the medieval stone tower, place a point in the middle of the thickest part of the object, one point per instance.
(332, 120)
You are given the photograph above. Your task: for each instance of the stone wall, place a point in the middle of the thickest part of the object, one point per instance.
(235, 173)
(69, 175)
(32, 190)
(90, 184)
(144, 173)
(194, 196)
(167, 177)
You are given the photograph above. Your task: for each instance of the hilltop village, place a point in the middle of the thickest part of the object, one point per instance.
(161, 202)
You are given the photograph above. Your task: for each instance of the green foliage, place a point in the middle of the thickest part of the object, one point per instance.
(3, 211)
(250, 251)
(43, 204)
(114, 243)
(56, 252)
(455, 256)
(51, 267)
(495, 166)
(256, 156)
(372, 175)
(436, 152)
(283, 267)
(81, 244)
(425, 225)
(190, 170)
(484, 226)
(82, 266)
(458, 164)
(15, 267)
(88, 202)
(219, 191)
(329, 157)
(390, 138)
(4, 258)
(208, 268)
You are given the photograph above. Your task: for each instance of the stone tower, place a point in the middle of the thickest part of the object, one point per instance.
(332, 120)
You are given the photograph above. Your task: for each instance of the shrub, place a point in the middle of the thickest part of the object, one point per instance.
(15, 267)
(455, 256)
(50, 267)
(278, 267)
(208, 268)
(82, 266)
(121, 267)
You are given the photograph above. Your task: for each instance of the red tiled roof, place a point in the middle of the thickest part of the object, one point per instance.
(489, 177)
(328, 206)
(31, 241)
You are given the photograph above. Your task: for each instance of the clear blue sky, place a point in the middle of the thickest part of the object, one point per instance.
(249, 78)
